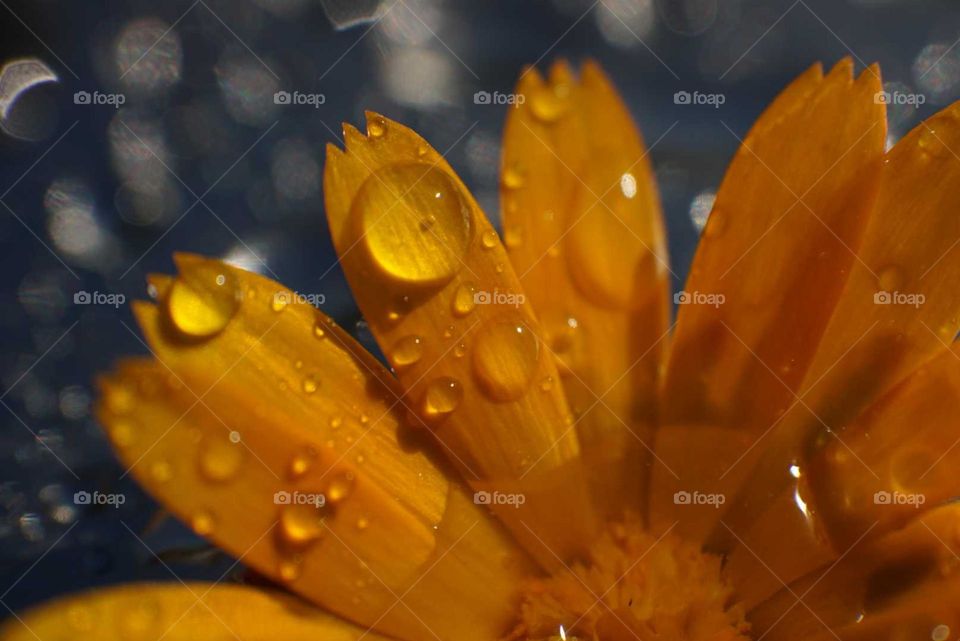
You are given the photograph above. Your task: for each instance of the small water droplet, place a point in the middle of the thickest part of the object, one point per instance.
(310, 384)
(505, 359)
(407, 351)
(362, 523)
(220, 459)
(279, 301)
(547, 106)
(202, 522)
(513, 176)
(546, 384)
(300, 465)
(122, 433)
(389, 207)
(890, 278)
(289, 570)
(298, 364)
(203, 299)
(161, 471)
(301, 525)
(318, 329)
(443, 395)
(513, 236)
(464, 299)
(340, 487)
(377, 127)
(460, 350)
(335, 422)
(489, 239)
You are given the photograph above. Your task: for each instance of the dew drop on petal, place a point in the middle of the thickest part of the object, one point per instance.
(202, 300)
(407, 351)
(220, 459)
(389, 209)
(301, 524)
(505, 359)
(310, 384)
(464, 299)
(443, 395)
(340, 487)
(202, 522)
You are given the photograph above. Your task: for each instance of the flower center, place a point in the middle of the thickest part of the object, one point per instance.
(634, 586)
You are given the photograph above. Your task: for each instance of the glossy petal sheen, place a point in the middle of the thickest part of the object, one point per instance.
(436, 287)
(275, 437)
(584, 232)
(180, 612)
(776, 250)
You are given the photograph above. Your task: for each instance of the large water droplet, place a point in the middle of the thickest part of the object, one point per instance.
(407, 351)
(505, 359)
(221, 459)
(389, 209)
(301, 524)
(442, 397)
(203, 299)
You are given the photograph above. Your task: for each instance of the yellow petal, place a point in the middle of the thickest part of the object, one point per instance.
(779, 242)
(899, 586)
(899, 307)
(180, 612)
(584, 232)
(435, 285)
(898, 459)
(256, 410)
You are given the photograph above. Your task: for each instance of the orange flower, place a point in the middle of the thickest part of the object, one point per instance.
(778, 464)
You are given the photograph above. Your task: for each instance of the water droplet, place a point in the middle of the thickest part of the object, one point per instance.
(547, 106)
(546, 384)
(279, 301)
(340, 487)
(336, 422)
(318, 330)
(489, 239)
(930, 142)
(310, 384)
(301, 524)
(203, 299)
(442, 397)
(119, 399)
(377, 127)
(407, 351)
(161, 471)
(561, 331)
(300, 465)
(505, 359)
(220, 459)
(289, 570)
(464, 299)
(363, 523)
(513, 177)
(513, 236)
(389, 207)
(298, 364)
(122, 433)
(460, 350)
(890, 279)
(234, 436)
(202, 523)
